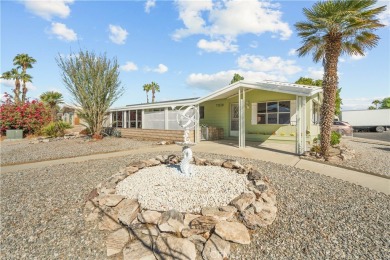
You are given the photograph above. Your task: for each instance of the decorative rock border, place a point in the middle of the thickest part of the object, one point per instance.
(44, 139)
(146, 234)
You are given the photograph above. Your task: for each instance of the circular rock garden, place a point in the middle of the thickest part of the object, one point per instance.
(176, 217)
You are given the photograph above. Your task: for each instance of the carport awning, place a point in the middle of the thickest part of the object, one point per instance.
(280, 87)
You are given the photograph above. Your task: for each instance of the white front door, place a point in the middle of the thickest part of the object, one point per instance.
(234, 119)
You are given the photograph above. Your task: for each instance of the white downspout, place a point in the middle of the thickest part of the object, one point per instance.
(166, 126)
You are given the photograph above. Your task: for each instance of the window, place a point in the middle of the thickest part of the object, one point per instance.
(201, 112)
(134, 119)
(275, 112)
(315, 117)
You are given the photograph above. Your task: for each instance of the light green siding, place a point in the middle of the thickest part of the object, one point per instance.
(217, 114)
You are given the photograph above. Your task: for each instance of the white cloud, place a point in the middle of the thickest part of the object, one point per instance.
(358, 103)
(7, 82)
(129, 66)
(315, 73)
(11, 84)
(117, 35)
(358, 57)
(161, 68)
(384, 17)
(49, 8)
(62, 32)
(149, 4)
(217, 46)
(273, 64)
(228, 19)
(292, 52)
(220, 79)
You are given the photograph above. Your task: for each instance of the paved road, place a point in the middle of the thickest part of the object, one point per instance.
(385, 136)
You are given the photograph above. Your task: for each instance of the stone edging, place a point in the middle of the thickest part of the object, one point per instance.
(137, 233)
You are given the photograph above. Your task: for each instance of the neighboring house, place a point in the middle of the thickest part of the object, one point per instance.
(253, 111)
(69, 114)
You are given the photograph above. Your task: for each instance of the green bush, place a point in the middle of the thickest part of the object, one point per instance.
(55, 129)
(335, 138)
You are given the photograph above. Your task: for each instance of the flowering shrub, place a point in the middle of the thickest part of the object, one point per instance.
(30, 116)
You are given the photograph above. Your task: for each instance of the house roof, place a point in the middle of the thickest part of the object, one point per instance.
(169, 103)
(274, 86)
(230, 91)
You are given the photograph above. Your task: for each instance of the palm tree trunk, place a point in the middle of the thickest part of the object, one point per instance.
(17, 92)
(153, 91)
(24, 92)
(147, 97)
(330, 82)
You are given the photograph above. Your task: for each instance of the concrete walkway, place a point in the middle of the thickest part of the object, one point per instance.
(282, 156)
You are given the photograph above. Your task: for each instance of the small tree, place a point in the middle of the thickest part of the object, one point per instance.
(318, 83)
(236, 77)
(14, 74)
(372, 108)
(52, 99)
(385, 103)
(93, 81)
(155, 88)
(147, 88)
(334, 28)
(376, 102)
(24, 61)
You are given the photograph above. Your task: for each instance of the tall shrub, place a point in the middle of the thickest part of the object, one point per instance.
(30, 116)
(93, 82)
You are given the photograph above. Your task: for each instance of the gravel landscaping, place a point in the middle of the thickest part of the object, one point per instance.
(161, 188)
(369, 157)
(24, 151)
(318, 217)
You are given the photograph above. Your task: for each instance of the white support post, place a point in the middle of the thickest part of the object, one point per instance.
(243, 119)
(166, 125)
(196, 128)
(239, 119)
(303, 108)
(110, 119)
(125, 119)
(298, 126)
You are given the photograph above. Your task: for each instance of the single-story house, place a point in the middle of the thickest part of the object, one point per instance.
(69, 114)
(253, 111)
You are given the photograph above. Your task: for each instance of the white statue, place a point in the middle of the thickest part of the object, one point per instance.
(188, 120)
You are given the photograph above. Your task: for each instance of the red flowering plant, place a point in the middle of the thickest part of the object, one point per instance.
(30, 116)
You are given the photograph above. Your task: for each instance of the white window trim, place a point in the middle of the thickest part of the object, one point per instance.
(254, 112)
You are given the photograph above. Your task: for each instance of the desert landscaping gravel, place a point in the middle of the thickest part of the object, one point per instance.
(369, 157)
(162, 187)
(318, 217)
(24, 151)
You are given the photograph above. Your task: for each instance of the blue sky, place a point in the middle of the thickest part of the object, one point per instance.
(189, 48)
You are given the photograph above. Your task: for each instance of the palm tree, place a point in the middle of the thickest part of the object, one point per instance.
(376, 102)
(52, 99)
(25, 62)
(154, 87)
(14, 75)
(334, 28)
(147, 88)
(24, 77)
